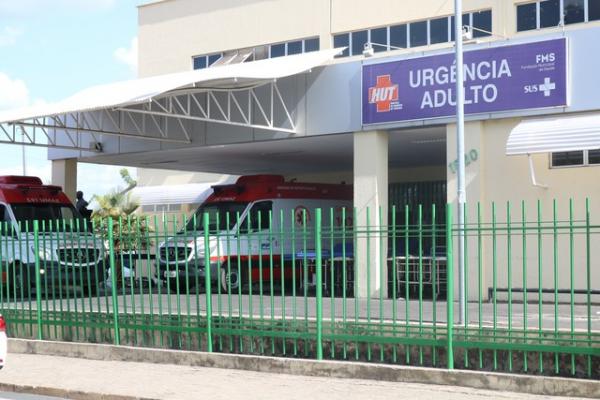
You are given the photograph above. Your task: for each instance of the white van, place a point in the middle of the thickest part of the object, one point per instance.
(263, 222)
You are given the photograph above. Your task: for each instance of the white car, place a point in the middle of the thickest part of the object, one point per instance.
(3, 341)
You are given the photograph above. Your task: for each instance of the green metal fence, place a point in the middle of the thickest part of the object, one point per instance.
(327, 284)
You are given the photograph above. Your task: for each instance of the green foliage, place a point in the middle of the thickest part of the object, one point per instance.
(130, 229)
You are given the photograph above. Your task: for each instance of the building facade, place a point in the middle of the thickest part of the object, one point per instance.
(380, 114)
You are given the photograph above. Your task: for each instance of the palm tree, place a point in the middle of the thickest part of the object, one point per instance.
(130, 229)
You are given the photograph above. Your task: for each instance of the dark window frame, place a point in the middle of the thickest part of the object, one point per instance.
(585, 159)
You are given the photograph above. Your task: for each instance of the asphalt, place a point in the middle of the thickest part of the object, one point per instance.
(79, 378)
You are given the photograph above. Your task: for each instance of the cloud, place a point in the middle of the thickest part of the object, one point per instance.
(28, 8)
(128, 56)
(13, 93)
(9, 35)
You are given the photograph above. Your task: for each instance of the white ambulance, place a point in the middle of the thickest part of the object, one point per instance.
(260, 229)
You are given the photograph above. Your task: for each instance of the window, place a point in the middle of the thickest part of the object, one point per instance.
(342, 40)
(418, 34)
(547, 13)
(593, 10)
(526, 17)
(311, 45)
(359, 39)
(258, 217)
(200, 62)
(294, 47)
(574, 11)
(414, 34)
(398, 36)
(205, 61)
(438, 30)
(482, 23)
(379, 37)
(575, 158)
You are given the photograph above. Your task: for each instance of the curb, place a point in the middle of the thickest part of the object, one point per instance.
(67, 394)
(539, 385)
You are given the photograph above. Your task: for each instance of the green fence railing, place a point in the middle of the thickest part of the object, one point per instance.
(340, 284)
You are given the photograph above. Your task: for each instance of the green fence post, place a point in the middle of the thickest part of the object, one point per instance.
(449, 288)
(207, 284)
(38, 279)
(113, 280)
(319, 266)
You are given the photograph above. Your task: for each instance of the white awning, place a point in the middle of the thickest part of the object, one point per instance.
(225, 95)
(137, 91)
(554, 134)
(189, 193)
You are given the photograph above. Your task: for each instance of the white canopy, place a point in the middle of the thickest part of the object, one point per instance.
(189, 193)
(157, 108)
(555, 134)
(125, 93)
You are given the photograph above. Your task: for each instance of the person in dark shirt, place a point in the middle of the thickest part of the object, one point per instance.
(81, 205)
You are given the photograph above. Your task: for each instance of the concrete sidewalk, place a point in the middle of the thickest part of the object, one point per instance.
(95, 379)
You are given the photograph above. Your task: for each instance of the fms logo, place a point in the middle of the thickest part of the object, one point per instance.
(383, 94)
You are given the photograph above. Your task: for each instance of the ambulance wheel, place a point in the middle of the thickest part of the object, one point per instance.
(230, 279)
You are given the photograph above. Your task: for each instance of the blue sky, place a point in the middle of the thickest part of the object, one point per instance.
(50, 49)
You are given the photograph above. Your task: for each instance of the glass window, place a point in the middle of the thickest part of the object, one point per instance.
(358, 42)
(379, 37)
(200, 62)
(27, 213)
(567, 158)
(277, 50)
(549, 13)
(213, 58)
(311, 45)
(593, 10)
(294, 47)
(574, 11)
(418, 34)
(466, 21)
(398, 36)
(438, 30)
(342, 40)
(526, 17)
(258, 217)
(594, 157)
(482, 20)
(213, 209)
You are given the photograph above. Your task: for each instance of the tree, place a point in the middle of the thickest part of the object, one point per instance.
(130, 229)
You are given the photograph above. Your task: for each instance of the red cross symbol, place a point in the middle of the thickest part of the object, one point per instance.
(383, 93)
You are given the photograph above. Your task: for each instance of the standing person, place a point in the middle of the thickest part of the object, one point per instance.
(81, 205)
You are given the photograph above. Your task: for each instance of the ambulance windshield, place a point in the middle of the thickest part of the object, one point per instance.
(222, 212)
(51, 217)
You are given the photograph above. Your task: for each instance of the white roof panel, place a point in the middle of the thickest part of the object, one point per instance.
(555, 134)
(137, 91)
(189, 193)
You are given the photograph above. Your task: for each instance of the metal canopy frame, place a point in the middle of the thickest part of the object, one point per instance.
(260, 106)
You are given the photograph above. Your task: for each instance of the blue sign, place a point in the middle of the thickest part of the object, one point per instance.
(518, 77)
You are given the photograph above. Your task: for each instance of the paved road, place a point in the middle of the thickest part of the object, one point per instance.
(147, 303)
(170, 382)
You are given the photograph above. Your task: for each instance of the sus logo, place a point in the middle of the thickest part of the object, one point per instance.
(383, 93)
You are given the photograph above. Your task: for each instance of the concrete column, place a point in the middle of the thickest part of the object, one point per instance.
(371, 202)
(64, 174)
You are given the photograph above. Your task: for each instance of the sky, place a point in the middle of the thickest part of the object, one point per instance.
(51, 49)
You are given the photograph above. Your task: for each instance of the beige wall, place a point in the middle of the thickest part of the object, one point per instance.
(172, 31)
(157, 177)
(506, 179)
